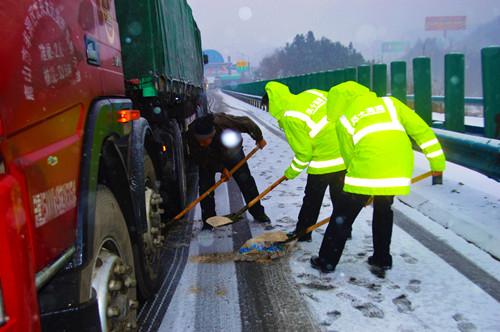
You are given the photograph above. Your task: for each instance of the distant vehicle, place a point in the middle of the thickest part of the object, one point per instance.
(95, 97)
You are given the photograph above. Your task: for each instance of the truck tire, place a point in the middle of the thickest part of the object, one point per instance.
(149, 247)
(112, 268)
(180, 165)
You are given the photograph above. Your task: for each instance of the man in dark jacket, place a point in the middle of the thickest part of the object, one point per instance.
(215, 144)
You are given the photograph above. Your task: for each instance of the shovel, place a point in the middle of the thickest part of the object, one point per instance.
(219, 221)
(267, 241)
(212, 188)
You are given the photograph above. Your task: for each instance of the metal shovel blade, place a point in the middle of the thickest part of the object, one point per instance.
(219, 221)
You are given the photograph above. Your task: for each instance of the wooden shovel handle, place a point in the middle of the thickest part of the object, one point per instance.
(422, 176)
(326, 220)
(243, 161)
(319, 224)
(218, 183)
(260, 196)
(266, 191)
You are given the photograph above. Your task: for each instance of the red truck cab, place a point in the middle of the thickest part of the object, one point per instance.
(91, 165)
(48, 83)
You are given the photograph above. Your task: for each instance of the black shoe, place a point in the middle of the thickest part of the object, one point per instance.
(262, 219)
(386, 264)
(318, 264)
(304, 238)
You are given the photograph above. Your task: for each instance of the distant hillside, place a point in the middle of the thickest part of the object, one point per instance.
(306, 54)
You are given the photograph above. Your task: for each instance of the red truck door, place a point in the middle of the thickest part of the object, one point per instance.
(44, 94)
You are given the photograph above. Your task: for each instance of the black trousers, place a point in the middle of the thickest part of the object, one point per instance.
(243, 178)
(341, 223)
(313, 196)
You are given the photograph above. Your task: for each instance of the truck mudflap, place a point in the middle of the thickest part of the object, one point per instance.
(81, 318)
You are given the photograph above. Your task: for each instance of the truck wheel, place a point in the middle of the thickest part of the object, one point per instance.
(148, 251)
(113, 272)
(180, 165)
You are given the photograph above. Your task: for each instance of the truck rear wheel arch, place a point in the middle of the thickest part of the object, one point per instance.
(103, 163)
(100, 129)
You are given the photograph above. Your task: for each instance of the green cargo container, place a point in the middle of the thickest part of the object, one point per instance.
(165, 36)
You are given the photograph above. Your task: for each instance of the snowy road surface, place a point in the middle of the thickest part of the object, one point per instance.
(440, 281)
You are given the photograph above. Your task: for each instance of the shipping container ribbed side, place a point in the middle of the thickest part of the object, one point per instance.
(160, 40)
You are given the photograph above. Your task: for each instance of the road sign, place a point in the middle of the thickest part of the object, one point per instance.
(446, 23)
(242, 66)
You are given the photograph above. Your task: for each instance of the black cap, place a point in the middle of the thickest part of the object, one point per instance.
(204, 126)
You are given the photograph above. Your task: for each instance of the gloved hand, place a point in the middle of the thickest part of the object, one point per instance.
(437, 178)
(225, 175)
(261, 144)
(290, 174)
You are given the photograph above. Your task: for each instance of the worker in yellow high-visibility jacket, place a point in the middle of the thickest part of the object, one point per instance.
(314, 142)
(373, 136)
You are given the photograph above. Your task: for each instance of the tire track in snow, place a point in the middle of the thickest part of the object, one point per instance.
(268, 299)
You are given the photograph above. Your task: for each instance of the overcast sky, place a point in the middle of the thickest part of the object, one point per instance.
(250, 29)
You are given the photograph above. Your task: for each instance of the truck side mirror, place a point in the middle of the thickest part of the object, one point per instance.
(205, 59)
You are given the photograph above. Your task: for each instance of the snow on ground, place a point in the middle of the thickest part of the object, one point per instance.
(421, 292)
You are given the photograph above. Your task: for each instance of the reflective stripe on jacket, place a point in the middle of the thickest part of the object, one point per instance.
(305, 124)
(373, 136)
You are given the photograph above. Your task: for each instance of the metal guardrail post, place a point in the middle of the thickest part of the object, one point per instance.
(329, 79)
(380, 79)
(309, 81)
(301, 83)
(317, 81)
(398, 80)
(490, 57)
(454, 92)
(349, 74)
(322, 81)
(293, 84)
(422, 88)
(364, 76)
(338, 76)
